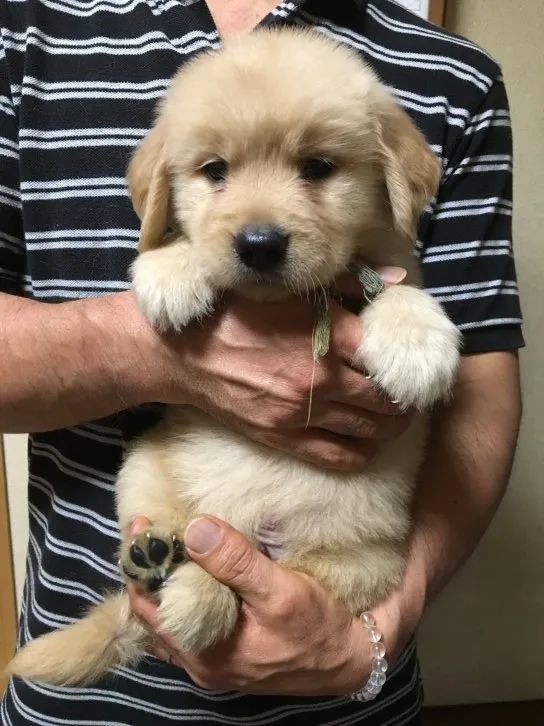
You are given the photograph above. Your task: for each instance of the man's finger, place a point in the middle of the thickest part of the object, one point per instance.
(351, 421)
(391, 275)
(229, 557)
(324, 448)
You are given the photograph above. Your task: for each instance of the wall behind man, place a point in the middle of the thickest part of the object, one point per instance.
(484, 639)
(15, 454)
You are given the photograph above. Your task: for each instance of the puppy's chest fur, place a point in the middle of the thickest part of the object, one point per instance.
(208, 469)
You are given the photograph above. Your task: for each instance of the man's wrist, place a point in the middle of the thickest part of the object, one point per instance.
(358, 661)
(399, 615)
(137, 358)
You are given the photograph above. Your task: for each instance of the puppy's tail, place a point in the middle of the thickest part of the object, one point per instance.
(107, 636)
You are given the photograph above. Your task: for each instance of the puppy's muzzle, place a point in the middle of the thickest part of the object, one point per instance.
(261, 247)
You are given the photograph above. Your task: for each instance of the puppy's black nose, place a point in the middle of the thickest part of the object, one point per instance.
(260, 246)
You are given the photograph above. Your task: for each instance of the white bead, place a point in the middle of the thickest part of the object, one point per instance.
(377, 676)
(374, 634)
(378, 650)
(379, 665)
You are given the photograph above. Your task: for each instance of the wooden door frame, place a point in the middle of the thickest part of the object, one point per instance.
(8, 603)
(437, 11)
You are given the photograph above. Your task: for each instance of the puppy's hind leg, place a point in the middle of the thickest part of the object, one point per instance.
(196, 609)
(193, 607)
(108, 636)
(145, 487)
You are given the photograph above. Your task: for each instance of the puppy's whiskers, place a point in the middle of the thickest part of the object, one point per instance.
(307, 286)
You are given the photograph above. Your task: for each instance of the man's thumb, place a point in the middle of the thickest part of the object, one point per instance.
(229, 557)
(391, 275)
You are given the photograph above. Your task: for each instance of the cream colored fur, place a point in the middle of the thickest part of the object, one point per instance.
(262, 104)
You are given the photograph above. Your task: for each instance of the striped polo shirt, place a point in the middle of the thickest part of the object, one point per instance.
(78, 83)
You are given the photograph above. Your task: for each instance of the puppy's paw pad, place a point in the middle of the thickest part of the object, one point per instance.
(150, 558)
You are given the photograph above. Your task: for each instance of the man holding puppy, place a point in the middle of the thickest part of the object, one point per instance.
(67, 235)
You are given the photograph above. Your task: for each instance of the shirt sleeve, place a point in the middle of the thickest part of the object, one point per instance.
(12, 248)
(466, 249)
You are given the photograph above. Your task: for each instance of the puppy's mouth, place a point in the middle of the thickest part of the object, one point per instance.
(277, 278)
(271, 285)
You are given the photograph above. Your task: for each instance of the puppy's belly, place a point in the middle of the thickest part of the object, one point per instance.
(219, 472)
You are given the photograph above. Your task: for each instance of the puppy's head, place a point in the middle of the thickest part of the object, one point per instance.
(277, 158)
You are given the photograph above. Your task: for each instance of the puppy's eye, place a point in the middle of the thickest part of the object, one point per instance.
(215, 171)
(316, 169)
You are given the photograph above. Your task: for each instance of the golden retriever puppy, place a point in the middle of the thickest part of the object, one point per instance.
(274, 164)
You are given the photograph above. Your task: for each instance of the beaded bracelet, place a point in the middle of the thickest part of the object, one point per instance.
(376, 679)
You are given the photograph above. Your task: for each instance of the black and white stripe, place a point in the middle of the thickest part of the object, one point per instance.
(78, 83)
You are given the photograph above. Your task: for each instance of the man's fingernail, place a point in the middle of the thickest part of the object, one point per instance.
(391, 275)
(202, 535)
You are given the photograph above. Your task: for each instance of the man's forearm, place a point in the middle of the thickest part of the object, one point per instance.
(70, 362)
(470, 455)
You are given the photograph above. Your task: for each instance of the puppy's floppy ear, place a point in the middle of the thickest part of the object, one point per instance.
(148, 184)
(412, 171)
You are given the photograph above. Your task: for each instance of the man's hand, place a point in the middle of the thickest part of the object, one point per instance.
(293, 637)
(251, 367)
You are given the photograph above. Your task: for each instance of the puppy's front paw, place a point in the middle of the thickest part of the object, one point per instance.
(409, 346)
(170, 288)
(151, 557)
(196, 609)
